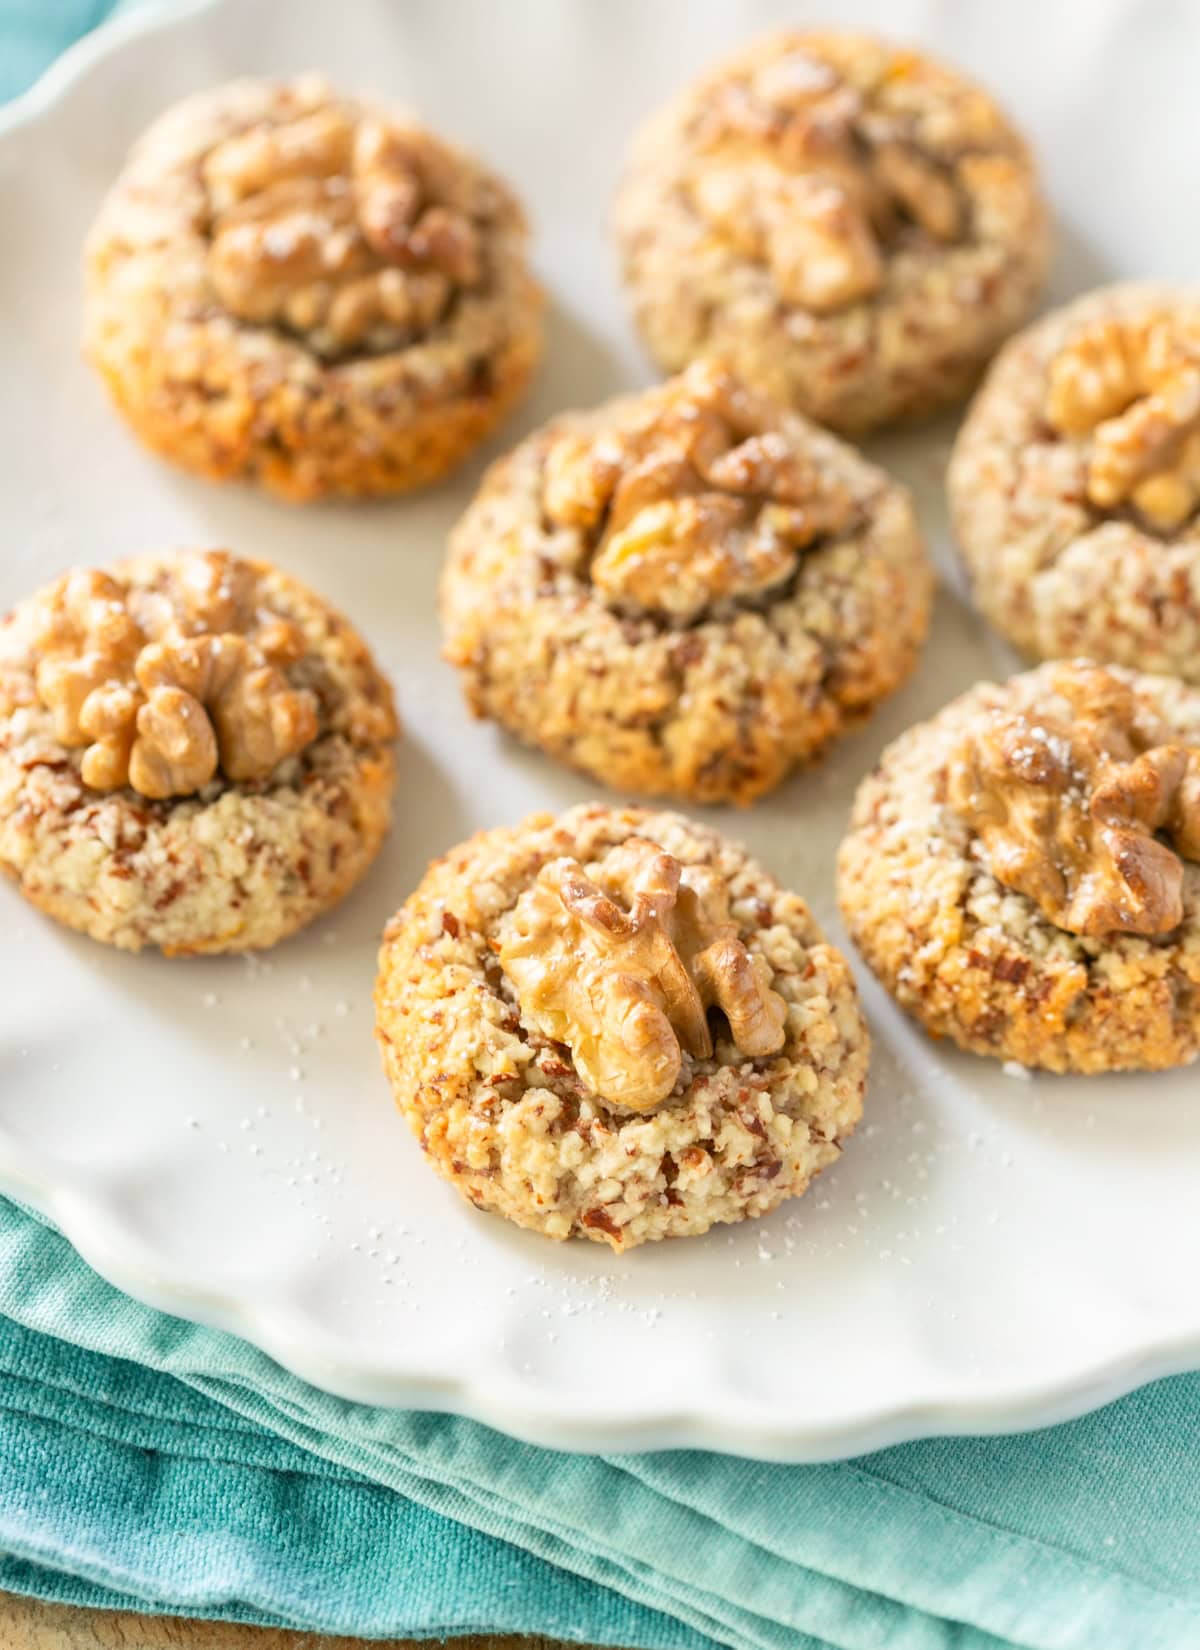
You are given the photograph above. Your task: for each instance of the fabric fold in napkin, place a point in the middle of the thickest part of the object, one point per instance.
(144, 1458)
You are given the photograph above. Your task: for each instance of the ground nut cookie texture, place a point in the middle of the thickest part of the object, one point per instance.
(615, 1025)
(853, 226)
(195, 753)
(1023, 872)
(294, 287)
(1075, 482)
(684, 592)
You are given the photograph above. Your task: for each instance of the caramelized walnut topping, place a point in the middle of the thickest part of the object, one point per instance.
(806, 173)
(353, 232)
(1133, 386)
(191, 681)
(626, 985)
(1067, 805)
(702, 500)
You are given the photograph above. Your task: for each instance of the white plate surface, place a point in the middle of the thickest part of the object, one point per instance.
(216, 1137)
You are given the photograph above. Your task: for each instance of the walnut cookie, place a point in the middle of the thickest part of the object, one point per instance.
(1023, 871)
(615, 1025)
(195, 753)
(304, 290)
(851, 225)
(1075, 482)
(684, 592)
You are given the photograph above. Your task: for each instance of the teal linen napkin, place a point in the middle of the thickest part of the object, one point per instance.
(122, 1488)
(34, 32)
(146, 1456)
(149, 1464)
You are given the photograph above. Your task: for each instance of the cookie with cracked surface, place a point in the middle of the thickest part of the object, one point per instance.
(685, 592)
(850, 224)
(1023, 871)
(300, 289)
(615, 1025)
(195, 753)
(1075, 482)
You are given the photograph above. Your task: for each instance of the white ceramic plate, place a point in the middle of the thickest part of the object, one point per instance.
(216, 1137)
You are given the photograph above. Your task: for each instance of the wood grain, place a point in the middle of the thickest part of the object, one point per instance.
(28, 1625)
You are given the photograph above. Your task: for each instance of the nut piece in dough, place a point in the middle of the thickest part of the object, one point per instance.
(1067, 808)
(345, 230)
(627, 988)
(159, 703)
(799, 172)
(1133, 384)
(703, 499)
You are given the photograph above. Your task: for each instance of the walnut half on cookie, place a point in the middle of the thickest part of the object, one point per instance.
(195, 753)
(852, 225)
(684, 592)
(307, 291)
(615, 1025)
(1075, 483)
(1023, 872)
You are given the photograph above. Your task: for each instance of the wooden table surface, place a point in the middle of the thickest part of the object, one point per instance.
(27, 1625)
